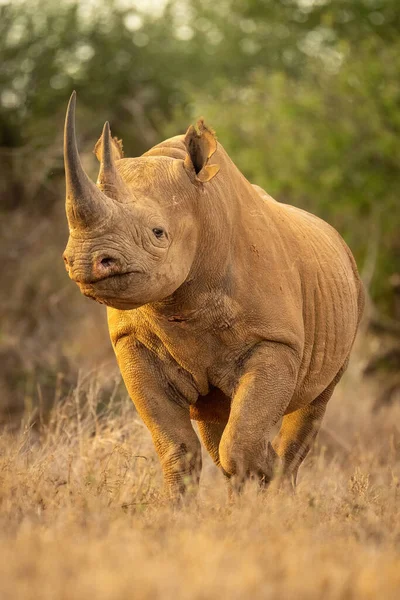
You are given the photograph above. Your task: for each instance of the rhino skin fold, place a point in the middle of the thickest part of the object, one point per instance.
(224, 306)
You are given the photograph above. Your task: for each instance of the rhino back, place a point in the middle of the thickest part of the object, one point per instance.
(323, 296)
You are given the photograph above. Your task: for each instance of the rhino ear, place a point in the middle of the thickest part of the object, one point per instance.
(201, 143)
(116, 148)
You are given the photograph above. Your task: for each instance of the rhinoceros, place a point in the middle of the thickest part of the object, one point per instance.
(224, 306)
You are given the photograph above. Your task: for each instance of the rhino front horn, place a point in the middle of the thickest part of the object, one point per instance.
(86, 205)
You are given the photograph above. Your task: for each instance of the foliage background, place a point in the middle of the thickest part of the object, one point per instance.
(303, 94)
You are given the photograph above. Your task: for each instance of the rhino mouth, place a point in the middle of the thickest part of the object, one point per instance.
(110, 285)
(117, 290)
(109, 277)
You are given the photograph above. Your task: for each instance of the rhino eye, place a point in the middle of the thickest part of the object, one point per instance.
(158, 232)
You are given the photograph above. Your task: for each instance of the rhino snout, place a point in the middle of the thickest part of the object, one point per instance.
(104, 266)
(100, 267)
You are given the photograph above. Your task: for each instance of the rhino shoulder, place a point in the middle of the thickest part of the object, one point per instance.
(263, 193)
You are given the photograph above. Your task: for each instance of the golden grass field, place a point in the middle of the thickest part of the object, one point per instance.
(82, 515)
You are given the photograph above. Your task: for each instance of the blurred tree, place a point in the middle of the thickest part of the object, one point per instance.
(306, 100)
(311, 86)
(328, 143)
(48, 49)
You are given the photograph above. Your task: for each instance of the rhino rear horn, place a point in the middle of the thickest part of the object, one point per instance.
(86, 205)
(200, 144)
(108, 150)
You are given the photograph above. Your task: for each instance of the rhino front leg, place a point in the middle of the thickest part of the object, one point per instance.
(180, 457)
(175, 440)
(263, 393)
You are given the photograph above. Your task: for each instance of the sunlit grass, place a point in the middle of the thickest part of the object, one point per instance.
(81, 513)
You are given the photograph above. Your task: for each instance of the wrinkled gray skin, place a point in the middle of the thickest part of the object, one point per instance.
(224, 306)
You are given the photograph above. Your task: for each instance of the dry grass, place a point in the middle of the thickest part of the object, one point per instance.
(81, 515)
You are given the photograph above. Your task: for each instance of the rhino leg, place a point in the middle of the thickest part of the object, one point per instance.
(262, 395)
(211, 413)
(210, 434)
(299, 430)
(168, 421)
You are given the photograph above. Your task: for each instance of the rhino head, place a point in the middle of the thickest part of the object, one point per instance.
(133, 236)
